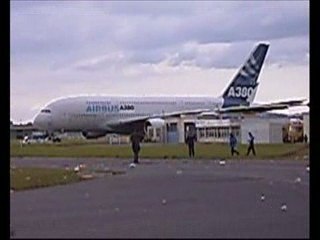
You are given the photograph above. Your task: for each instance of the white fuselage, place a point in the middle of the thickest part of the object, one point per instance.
(98, 113)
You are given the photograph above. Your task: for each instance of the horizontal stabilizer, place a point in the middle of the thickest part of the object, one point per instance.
(263, 107)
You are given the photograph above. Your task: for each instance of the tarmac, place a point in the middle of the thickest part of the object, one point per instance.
(164, 198)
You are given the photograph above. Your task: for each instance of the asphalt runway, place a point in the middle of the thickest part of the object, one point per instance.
(167, 199)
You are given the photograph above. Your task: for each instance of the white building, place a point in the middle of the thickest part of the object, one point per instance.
(265, 130)
(174, 131)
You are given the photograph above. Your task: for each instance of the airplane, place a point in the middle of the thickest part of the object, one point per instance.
(96, 116)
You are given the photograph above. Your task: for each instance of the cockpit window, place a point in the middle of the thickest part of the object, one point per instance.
(46, 111)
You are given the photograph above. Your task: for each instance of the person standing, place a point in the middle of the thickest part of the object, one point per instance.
(233, 144)
(191, 138)
(135, 139)
(251, 144)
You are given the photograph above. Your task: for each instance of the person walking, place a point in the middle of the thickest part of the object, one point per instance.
(251, 144)
(233, 144)
(191, 138)
(135, 139)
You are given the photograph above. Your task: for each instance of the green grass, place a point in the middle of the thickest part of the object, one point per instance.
(171, 151)
(27, 178)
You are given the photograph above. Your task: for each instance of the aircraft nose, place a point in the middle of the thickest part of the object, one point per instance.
(41, 121)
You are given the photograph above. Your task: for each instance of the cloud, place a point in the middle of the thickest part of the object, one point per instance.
(74, 28)
(64, 47)
(114, 59)
(209, 55)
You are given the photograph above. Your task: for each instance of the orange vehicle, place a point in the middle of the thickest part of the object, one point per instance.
(293, 131)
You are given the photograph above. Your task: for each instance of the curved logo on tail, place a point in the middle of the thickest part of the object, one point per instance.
(250, 68)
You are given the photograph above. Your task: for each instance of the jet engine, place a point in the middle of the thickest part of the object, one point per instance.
(155, 122)
(93, 135)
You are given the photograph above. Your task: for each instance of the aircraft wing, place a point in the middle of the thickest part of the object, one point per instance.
(291, 103)
(258, 108)
(252, 109)
(162, 116)
(207, 112)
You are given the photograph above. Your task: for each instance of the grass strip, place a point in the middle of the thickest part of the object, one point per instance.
(27, 178)
(166, 151)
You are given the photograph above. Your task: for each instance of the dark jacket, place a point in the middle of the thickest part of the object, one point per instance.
(251, 139)
(135, 139)
(191, 138)
(233, 141)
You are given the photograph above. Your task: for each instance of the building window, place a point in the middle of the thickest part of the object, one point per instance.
(158, 132)
(202, 132)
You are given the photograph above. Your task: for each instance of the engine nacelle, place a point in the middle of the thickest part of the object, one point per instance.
(93, 135)
(156, 122)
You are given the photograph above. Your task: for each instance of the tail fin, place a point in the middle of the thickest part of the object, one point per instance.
(243, 87)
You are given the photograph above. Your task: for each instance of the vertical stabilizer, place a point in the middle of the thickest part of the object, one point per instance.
(243, 87)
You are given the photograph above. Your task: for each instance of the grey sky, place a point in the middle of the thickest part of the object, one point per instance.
(150, 48)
